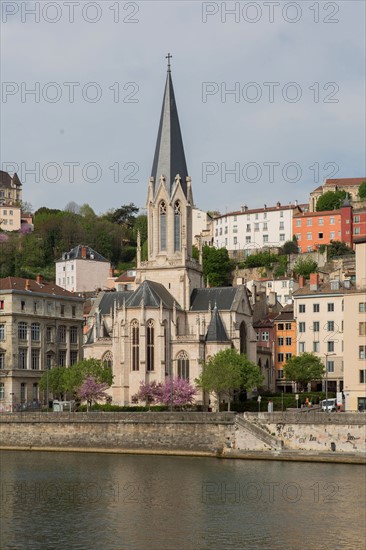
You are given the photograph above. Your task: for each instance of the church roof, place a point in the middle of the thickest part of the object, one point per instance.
(216, 331)
(169, 158)
(109, 298)
(151, 294)
(203, 299)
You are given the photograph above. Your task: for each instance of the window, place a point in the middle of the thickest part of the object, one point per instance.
(309, 248)
(316, 308)
(256, 216)
(309, 236)
(248, 227)
(61, 334)
(302, 327)
(235, 240)
(265, 226)
(2, 360)
(183, 365)
(256, 227)
(362, 352)
(265, 238)
(257, 336)
(330, 326)
(135, 349)
(330, 345)
(280, 326)
(281, 214)
(332, 235)
(282, 225)
(35, 307)
(363, 376)
(298, 223)
(23, 392)
(150, 346)
(362, 328)
(22, 305)
(288, 326)
(280, 341)
(2, 391)
(35, 359)
(162, 225)
(280, 374)
(247, 240)
(309, 221)
(177, 226)
(2, 332)
(282, 236)
(35, 332)
(63, 309)
(320, 235)
(316, 346)
(235, 229)
(73, 308)
(284, 284)
(280, 357)
(331, 221)
(265, 336)
(288, 356)
(22, 358)
(362, 307)
(288, 341)
(298, 236)
(49, 335)
(330, 366)
(356, 219)
(62, 358)
(330, 307)
(321, 221)
(264, 215)
(73, 335)
(302, 347)
(22, 330)
(302, 308)
(357, 231)
(73, 357)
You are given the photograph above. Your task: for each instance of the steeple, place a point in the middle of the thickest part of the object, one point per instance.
(169, 158)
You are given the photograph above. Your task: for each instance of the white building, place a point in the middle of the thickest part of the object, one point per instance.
(82, 270)
(248, 230)
(283, 287)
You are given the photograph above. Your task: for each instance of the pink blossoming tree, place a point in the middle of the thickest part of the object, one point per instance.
(91, 390)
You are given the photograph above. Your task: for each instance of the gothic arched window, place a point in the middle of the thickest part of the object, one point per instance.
(135, 345)
(183, 365)
(162, 224)
(150, 345)
(108, 359)
(243, 338)
(177, 226)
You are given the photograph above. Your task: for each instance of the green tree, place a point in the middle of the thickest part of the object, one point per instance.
(331, 200)
(217, 266)
(125, 215)
(262, 259)
(362, 190)
(54, 380)
(303, 369)
(305, 266)
(228, 371)
(290, 247)
(338, 248)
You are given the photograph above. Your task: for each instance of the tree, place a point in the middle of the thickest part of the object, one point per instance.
(91, 390)
(362, 191)
(217, 266)
(261, 259)
(54, 380)
(177, 392)
(290, 247)
(338, 248)
(331, 200)
(227, 371)
(72, 207)
(305, 266)
(303, 369)
(148, 392)
(125, 215)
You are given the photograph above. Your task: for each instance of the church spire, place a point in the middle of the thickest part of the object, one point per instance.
(169, 158)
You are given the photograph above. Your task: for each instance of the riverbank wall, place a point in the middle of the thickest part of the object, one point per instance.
(287, 436)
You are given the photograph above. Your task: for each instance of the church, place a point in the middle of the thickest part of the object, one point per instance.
(171, 323)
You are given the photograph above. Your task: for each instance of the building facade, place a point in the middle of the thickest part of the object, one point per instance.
(40, 327)
(82, 269)
(10, 202)
(285, 345)
(351, 185)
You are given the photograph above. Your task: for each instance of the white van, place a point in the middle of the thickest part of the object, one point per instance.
(329, 405)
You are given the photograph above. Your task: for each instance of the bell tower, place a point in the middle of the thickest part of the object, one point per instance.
(169, 207)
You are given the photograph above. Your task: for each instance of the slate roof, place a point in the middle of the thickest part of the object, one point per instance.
(151, 293)
(216, 331)
(76, 254)
(6, 180)
(287, 314)
(202, 299)
(169, 158)
(109, 298)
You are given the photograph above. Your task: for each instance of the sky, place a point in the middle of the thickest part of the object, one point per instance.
(270, 98)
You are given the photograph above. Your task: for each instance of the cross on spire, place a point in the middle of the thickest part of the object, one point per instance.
(168, 57)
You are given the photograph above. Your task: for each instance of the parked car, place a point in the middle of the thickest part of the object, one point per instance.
(329, 405)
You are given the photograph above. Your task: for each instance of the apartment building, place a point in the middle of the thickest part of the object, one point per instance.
(249, 230)
(40, 327)
(82, 269)
(285, 345)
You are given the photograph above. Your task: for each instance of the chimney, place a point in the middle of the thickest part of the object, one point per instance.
(265, 206)
(39, 279)
(244, 208)
(278, 204)
(301, 281)
(314, 281)
(83, 252)
(272, 298)
(27, 284)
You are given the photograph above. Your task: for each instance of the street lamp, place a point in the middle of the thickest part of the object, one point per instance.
(326, 378)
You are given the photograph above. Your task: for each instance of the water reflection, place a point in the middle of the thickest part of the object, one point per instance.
(110, 502)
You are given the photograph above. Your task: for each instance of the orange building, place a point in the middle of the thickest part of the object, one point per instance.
(285, 344)
(315, 228)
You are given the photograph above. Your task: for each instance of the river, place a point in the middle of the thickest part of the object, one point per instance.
(82, 501)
